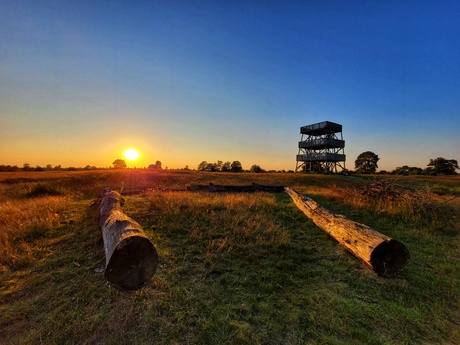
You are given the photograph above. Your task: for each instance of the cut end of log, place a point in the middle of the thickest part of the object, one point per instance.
(132, 263)
(389, 257)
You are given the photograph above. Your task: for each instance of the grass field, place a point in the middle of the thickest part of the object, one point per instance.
(233, 268)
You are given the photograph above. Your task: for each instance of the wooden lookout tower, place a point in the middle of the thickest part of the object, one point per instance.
(321, 148)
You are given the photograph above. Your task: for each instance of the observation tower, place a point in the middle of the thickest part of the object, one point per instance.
(321, 148)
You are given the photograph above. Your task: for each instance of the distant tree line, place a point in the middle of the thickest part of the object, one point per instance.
(121, 164)
(234, 166)
(48, 167)
(366, 163)
(117, 164)
(438, 166)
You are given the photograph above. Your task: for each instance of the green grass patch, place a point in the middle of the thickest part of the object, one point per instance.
(446, 190)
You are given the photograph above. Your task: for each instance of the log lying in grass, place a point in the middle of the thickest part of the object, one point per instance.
(131, 258)
(222, 188)
(383, 254)
(136, 191)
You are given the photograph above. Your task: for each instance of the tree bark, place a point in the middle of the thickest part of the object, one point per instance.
(131, 258)
(383, 254)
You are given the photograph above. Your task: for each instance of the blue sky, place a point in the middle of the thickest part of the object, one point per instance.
(187, 81)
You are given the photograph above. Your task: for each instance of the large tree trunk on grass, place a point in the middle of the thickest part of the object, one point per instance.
(383, 254)
(131, 258)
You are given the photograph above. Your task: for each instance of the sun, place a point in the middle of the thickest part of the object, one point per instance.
(131, 154)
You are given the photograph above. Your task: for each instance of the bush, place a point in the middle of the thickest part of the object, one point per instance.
(44, 189)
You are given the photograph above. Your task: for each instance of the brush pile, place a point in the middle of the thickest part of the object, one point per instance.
(393, 198)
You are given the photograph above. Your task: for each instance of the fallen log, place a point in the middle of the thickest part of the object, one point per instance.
(383, 254)
(131, 258)
(223, 188)
(136, 191)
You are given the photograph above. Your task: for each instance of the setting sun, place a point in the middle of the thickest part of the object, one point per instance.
(131, 154)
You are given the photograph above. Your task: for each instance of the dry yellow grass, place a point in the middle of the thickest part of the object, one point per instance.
(243, 216)
(22, 220)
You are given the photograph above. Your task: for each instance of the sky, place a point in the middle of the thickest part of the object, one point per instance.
(200, 80)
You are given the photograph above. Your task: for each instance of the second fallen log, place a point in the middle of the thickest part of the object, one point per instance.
(383, 254)
(131, 258)
(239, 189)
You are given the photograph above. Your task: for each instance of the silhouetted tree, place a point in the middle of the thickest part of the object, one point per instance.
(211, 167)
(443, 166)
(407, 170)
(156, 166)
(236, 166)
(119, 164)
(366, 162)
(9, 168)
(227, 166)
(256, 169)
(220, 166)
(205, 166)
(202, 166)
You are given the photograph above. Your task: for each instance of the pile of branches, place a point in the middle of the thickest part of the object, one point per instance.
(390, 197)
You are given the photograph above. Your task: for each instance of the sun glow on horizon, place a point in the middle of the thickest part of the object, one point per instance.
(131, 154)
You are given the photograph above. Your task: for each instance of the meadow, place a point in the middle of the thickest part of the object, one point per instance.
(234, 268)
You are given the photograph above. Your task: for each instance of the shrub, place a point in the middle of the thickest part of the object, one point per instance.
(44, 189)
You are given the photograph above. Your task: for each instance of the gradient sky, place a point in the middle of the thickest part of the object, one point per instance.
(188, 81)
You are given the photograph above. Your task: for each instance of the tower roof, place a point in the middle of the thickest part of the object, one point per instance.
(320, 128)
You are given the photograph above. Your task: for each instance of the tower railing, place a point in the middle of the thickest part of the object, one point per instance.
(323, 142)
